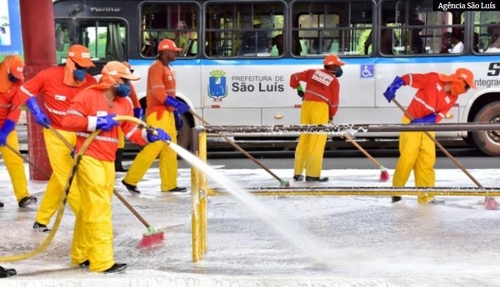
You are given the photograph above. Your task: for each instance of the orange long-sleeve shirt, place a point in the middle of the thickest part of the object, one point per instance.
(82, 116)
(57, 96)
(322, 86)
(430, 97)
(160, 83)
(10, 103)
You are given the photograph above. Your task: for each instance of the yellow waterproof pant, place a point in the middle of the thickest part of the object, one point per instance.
(167, 157)
(15, 166)
(61, 163)
(417, 154)
(93, 234)
(311, 147)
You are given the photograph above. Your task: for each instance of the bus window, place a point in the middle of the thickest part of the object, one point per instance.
(486, 32)
(105, 39)
(174, 21)
(421, 30)
(332, 27)
(243, 28)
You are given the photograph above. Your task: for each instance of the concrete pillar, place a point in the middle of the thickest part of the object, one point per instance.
(39, 44)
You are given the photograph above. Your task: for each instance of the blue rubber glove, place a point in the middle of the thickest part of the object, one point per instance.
(428, 119)
(106, 122)
(180, 106)
(179, 123)
(138, 113)
(390, 92)
(36, 111)
(161, 136)
(7, 127)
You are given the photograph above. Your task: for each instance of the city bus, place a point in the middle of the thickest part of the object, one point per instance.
(238, 55)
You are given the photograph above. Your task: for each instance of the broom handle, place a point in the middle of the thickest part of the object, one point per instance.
(238, 147)
(439, 146)
(349, 138)
(125, 202)
(44, 172)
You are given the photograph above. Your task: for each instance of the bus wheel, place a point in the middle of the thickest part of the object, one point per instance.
(488, 141)
(184, 135)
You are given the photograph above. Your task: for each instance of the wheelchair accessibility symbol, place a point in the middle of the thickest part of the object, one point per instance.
(366, 71)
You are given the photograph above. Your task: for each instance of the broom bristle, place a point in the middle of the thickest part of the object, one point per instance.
(151, 239)
(490, 203)
(384, 175)
(284, 183)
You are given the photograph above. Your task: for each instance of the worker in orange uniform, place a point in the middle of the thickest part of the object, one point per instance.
(59, 85)
(436, 94)
(163, 110)
(138, 113)
(320, 104)
(95, 109)
(11, 79)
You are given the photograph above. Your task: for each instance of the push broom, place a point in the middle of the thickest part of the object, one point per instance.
(152, 237)
(384, 174)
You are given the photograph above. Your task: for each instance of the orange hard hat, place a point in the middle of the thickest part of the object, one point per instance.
(80, 55)
(467, 76)
(168, 45)
(15, 66)
(117, 70)
(332, 60)
(127, 64)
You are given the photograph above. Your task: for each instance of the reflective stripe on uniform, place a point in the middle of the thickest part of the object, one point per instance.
(320, 96)
(57, 112)
(75, 112)
(99, 138)
(157, 87)
(427, 106)
(129, 134)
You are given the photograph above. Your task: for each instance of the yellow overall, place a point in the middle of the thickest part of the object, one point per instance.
(61, 162)
(417, 154)
(167, 157)
(15, 166)
(311, 147)
(93, 236)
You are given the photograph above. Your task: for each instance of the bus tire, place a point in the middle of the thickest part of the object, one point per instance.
(488, 141)
(184, 135)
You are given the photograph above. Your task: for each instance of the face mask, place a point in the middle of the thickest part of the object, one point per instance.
(123, 90)
(79, 74)
(12, 78)
(339, 72)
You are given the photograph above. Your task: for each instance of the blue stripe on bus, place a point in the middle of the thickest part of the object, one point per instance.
(316, 61)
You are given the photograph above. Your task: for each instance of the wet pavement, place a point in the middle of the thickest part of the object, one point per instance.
(311, 241)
